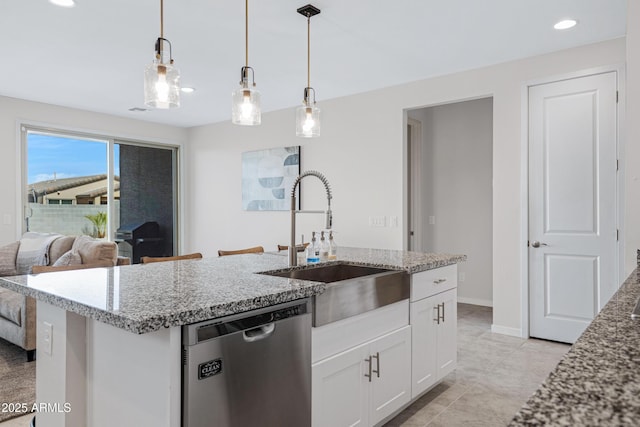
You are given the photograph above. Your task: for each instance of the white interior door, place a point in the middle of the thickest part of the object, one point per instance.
(572, 203)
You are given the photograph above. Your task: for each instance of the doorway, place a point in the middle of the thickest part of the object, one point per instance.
(450, 195)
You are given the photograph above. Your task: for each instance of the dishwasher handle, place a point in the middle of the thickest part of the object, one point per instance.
(259, 333)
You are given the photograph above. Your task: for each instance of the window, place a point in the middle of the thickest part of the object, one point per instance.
(59, 201)
(83, 184)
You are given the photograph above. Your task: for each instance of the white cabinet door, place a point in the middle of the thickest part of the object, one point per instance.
(343, 395)
(423, 340)
(434, 322)
(391, 373)
(447, 352)
(340, 391)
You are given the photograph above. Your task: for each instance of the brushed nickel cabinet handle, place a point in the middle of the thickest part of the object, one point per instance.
(442, 312)
(438, 281)
(377, 370)
(368, 360)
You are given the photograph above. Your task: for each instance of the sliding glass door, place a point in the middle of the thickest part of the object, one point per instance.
(82, 184)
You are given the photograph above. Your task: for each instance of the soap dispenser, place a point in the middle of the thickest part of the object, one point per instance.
(333, 248)
(324, 248)
(313, 251)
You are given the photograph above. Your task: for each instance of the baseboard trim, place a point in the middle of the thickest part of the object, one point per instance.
(505, 330)
(475, 301)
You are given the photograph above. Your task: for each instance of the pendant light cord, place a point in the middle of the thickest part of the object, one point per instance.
(161, 19)
(308, 51)
(246, 33)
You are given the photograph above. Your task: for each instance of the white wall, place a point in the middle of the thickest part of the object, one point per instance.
(457, 190)
(632, 146)
(14, 111)
(361, 153)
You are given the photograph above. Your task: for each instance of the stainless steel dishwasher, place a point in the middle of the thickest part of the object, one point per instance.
(249, 369)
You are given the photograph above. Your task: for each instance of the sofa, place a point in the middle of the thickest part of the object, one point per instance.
(18, 312)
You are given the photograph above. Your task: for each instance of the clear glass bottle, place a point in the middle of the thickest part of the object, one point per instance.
(324, 248)
(313, 250)
(333, 248)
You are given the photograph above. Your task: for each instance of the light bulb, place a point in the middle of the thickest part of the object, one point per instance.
(246, 109)
(309, 123)
(162, 87)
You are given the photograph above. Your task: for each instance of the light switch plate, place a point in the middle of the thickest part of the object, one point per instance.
(47, 337)
(377, 221)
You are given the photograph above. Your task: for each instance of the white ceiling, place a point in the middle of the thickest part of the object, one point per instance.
(92, 56)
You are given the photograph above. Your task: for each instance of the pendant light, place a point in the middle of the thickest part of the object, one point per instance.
(245, 101)
(161, 78)
(308, 114)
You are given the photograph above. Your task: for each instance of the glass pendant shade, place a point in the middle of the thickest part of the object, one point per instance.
(161, 85)
(308, 121)
(245, 108)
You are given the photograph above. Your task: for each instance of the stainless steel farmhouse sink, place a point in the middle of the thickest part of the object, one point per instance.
(351, 289)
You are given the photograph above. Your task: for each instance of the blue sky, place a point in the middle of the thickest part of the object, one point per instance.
(66, 157)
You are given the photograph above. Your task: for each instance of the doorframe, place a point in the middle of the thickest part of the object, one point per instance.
(619, 69)
(415, 175)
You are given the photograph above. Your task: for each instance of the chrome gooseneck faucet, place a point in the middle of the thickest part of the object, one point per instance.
(293, 257)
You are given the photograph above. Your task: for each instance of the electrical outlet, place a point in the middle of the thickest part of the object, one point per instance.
(393, 221)
(432, 220)
(461, 276)
(47, 337)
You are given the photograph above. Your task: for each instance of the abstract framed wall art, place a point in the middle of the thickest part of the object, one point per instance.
(267, 178)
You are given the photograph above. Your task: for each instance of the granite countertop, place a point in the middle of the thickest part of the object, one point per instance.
(598, 381)
(145, 298)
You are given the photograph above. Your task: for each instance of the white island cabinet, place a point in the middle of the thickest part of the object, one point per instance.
(367, 368)
(110, 340)
(433, 314)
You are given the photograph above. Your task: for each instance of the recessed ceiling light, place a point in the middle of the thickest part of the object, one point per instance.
(63, 3)
(188, 89)
(565, 24)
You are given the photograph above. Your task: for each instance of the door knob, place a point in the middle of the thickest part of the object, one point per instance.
(537, 244)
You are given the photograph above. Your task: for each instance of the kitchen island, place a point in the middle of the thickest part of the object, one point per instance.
(109, 339)
(598, 381)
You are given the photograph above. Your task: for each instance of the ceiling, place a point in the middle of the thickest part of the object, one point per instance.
(92, 56)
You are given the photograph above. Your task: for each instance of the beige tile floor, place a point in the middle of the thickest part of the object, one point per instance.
(495, 376)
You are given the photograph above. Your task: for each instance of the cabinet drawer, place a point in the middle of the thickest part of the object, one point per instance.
(431, 282)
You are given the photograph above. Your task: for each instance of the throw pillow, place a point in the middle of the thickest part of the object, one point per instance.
(8, 254)
(59, 247)
(94, 250)
(68, 258)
